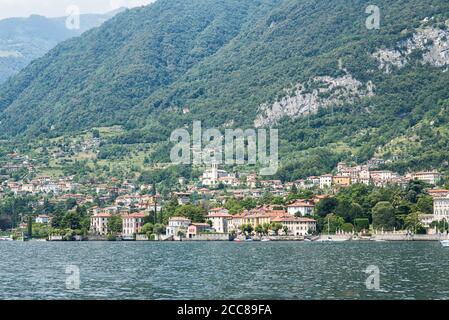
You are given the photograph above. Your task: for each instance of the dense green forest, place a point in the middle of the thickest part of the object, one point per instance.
(223, 60)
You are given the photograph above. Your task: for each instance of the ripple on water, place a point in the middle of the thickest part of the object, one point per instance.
(224, 270)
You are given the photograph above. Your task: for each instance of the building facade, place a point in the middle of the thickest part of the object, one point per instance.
(220, 219)
(176, 224)
(302, 207)
(99, 223)
(132, 223)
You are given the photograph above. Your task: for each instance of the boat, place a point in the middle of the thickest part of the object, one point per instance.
(265, 240)
(445, 242)
(330, 239)
(249, 239)
(4, 238)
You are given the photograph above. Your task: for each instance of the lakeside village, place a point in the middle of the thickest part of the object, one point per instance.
(353, 203)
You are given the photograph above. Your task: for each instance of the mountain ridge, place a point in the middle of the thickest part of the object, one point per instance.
(25, 39)
(142, 68)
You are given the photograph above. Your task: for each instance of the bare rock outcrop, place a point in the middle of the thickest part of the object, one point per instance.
(433, 41)
(320, 92)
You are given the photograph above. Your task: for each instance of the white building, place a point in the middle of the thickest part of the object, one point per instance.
(132, 223)
(430, 177)
(42, 218)
(297, 226)
(325, 181)
(300, 206)
(210, 177)
(99, 223)
(175, 224)
(441, 207)
(220, 219)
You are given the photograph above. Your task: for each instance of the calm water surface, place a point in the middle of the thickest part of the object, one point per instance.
(223, 270)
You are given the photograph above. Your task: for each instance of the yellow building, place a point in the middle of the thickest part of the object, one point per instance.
(342, 181)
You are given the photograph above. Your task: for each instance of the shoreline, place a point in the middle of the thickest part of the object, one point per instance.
(378, 238)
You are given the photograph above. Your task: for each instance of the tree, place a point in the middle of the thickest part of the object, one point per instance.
(361, 224)
(266, 228)
(247, 229)
(181, 233)
(425, 204)
(194, 213)
(147, 228)
(5, 222)
(383, 216)
(158, 228)
(276, 227)
(326, 206)
(294, 189)
(259, 229)
(30, 227)
(413, 223)
(347, 227)
(333, 223)
(115, 224)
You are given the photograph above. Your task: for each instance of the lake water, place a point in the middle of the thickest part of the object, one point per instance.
(222, 270)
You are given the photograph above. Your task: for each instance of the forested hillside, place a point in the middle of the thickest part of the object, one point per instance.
(335, 89)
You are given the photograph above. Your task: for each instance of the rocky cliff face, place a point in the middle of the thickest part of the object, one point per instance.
(433, 42)
(319, 92)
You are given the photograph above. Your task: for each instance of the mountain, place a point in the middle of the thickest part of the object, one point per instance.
(336, 89)
(25, 39)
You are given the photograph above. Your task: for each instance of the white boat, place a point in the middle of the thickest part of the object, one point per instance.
(445, 243)
(265, 240)
(330, 239)
(6, 239)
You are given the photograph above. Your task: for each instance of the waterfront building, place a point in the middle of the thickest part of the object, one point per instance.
(99, 223)
(426, 219)
(220, 218)
(303, 207)
(235, 222)
(441, 205)
(195, 229)
(254, 217)
(176, 224)
(132, 223)
(297, 226)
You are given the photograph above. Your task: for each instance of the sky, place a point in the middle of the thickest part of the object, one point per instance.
(57, 8)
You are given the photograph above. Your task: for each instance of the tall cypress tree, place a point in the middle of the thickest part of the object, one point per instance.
(30, 227)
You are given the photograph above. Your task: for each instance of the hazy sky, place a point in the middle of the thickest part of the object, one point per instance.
(57, 8)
